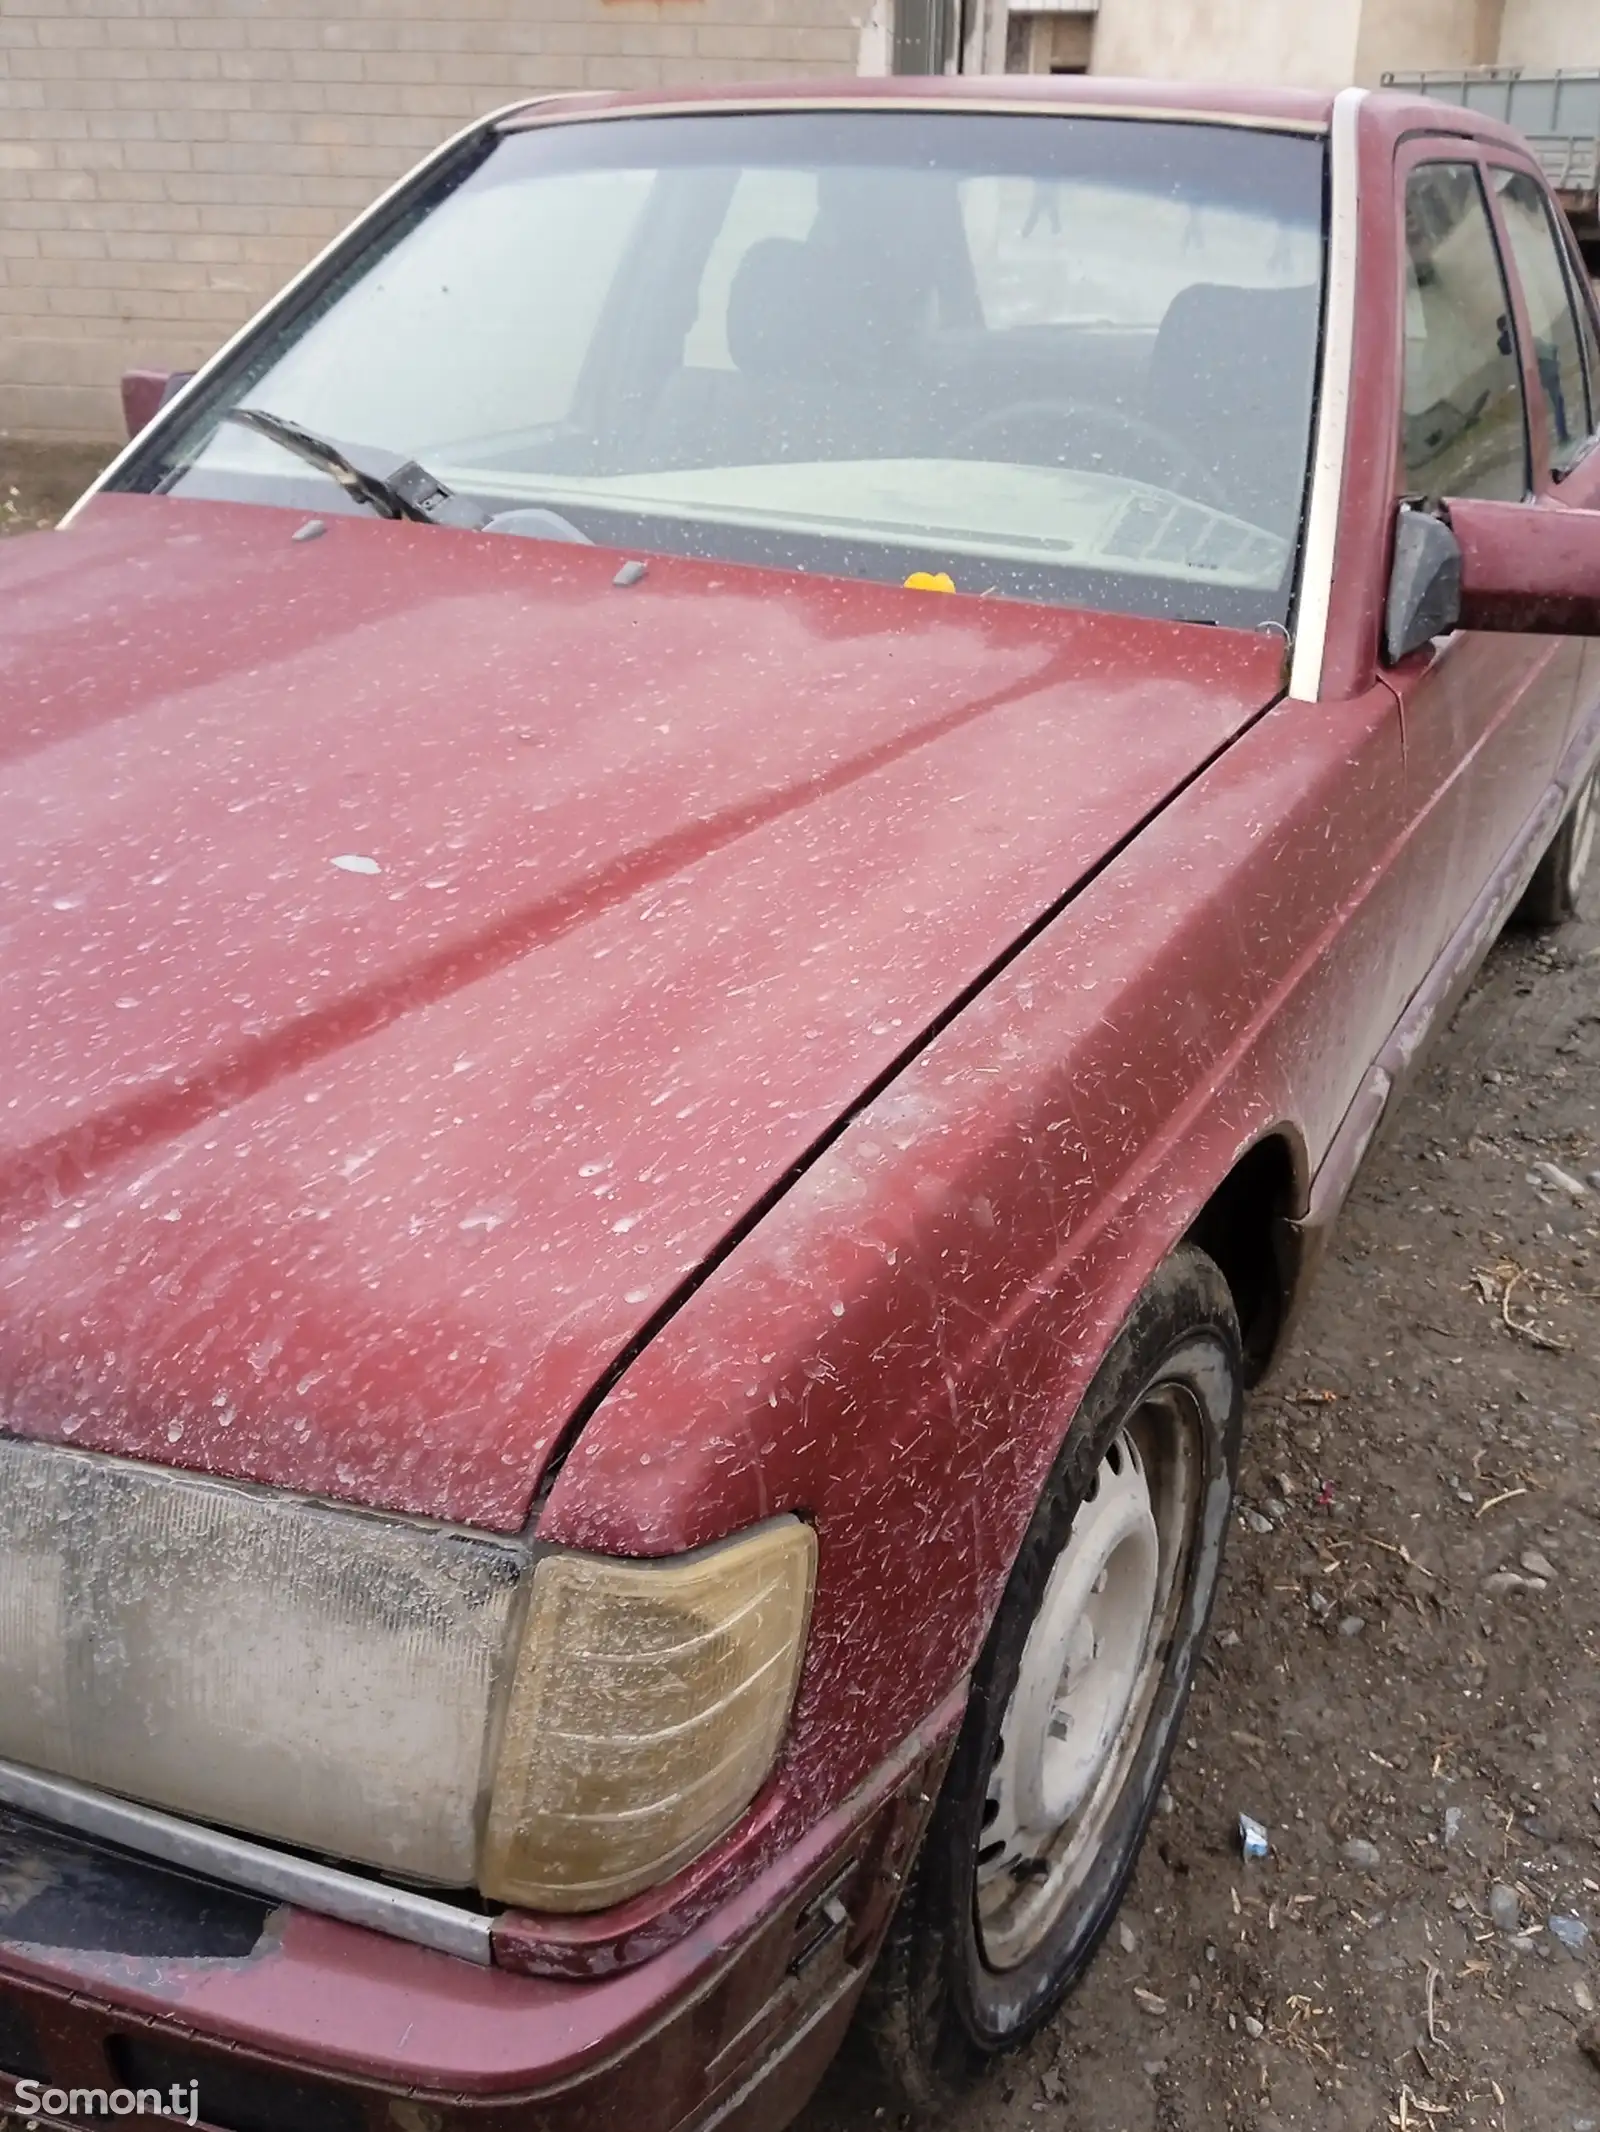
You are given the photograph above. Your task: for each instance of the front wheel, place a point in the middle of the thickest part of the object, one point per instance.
(1076, 1700)
(1551, 897)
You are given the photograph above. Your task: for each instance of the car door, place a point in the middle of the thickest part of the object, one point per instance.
(1564, 339)
(1485, 716)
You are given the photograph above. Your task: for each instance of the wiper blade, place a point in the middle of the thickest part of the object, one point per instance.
(409, 491)
(371, 489)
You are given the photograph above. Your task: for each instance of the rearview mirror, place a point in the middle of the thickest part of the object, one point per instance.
(1468, 563)
(146, 392)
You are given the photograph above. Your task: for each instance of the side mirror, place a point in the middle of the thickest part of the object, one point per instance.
(1533, 568)
(146, 392)
(1424, 584)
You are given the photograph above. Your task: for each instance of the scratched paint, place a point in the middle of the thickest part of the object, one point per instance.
(355, 1183)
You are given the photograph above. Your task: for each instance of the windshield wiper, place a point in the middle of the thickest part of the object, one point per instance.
(408, 491)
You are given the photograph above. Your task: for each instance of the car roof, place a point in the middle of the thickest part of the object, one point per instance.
(1302, 110)
(1393, 112)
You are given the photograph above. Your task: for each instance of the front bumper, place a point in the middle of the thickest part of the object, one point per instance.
(117, 1973)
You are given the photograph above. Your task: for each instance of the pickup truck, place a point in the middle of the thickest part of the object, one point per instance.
(713, 866)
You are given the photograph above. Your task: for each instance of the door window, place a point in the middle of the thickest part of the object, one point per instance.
(1464, 424)
(1554, 316)
(1588, 334)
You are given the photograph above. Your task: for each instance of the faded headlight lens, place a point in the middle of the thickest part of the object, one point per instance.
(302, 1672)
(646, 1710)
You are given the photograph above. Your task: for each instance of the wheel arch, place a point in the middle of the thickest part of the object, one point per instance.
(1249, 1225)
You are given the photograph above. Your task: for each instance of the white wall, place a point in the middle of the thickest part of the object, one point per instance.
(1301, 43)
(1403, 36)
(1550, 33)
(1326, 43)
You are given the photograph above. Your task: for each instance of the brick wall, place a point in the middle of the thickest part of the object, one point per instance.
(165, 165)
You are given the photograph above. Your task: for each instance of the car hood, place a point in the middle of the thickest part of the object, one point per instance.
(420, 950)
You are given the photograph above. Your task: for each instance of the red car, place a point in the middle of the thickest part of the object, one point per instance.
(713, 866)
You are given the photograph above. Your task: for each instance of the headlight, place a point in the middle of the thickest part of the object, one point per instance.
(356, 1685)
(300, 1672)
(647, 1708)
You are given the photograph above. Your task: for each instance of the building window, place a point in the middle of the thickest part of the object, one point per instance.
(1048, 41)
(928, 36)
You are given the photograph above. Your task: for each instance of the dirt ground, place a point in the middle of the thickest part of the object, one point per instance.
(39, 481)
(1405, 1655)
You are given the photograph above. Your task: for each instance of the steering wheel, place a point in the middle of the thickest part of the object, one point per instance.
(1113, 423)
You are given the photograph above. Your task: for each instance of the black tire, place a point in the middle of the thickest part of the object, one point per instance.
(1551, 897)
(937, 2011)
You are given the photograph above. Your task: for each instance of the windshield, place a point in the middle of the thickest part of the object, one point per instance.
(1054, 358)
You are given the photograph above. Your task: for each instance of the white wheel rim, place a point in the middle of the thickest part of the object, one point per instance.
(1085, 1684)
(1083, 1658)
